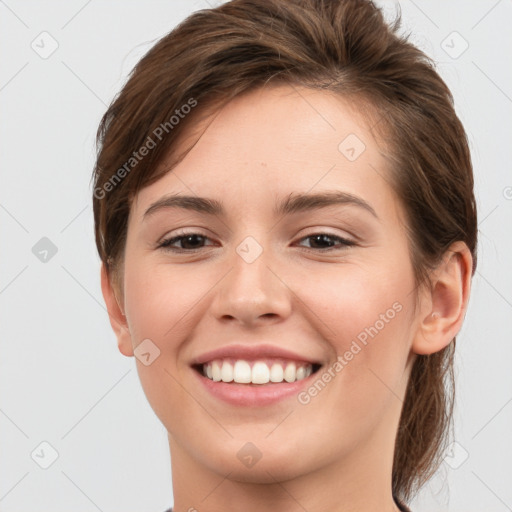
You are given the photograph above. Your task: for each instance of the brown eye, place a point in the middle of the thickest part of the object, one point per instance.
(189, 242)
(326, 241)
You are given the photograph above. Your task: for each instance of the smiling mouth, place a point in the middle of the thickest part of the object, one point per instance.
(258, 372)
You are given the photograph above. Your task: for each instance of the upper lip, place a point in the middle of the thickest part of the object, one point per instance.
(251, 352)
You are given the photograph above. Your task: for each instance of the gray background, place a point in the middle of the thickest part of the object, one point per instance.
(62, 379)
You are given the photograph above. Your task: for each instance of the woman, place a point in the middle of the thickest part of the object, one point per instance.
(284, 210)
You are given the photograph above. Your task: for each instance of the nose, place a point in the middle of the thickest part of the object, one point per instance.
(252, 293)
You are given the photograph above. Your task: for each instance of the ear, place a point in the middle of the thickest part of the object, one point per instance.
(116, 315)
(446, 303)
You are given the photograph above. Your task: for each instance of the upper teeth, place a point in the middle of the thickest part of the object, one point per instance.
(261, 372)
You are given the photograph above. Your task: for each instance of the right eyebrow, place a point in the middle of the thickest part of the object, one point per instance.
(195, 203)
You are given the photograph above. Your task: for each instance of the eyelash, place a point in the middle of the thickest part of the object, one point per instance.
(166, 243)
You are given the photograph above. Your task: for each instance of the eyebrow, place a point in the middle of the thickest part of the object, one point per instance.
(294, 203)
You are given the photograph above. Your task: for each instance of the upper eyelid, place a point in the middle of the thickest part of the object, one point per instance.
(185, 231)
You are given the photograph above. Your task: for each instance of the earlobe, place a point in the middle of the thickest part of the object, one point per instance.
(447, 302)
(116, 315)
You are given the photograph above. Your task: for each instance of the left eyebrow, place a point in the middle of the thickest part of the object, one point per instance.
(305, 202)
(294, 203)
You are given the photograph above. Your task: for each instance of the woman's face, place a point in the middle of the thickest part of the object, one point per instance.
(273, 281)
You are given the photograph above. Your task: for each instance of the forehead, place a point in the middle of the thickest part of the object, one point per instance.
(274, 140)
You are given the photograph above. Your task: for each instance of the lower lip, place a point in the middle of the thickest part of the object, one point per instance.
(253, 395)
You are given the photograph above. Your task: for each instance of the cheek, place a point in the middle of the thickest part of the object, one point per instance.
(367, 323)
(349, 299)
(161, 305)
(160, 300)
(365, 317)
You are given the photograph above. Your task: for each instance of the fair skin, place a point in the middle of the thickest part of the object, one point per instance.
(334, 453)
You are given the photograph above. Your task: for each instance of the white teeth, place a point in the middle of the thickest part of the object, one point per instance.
(290, 372)
(226, 372)
(276, 373)
(242, 372)
(301, 373)
(216, 374)
(260, 373)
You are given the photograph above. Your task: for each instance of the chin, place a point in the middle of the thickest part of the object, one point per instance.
(245, 462)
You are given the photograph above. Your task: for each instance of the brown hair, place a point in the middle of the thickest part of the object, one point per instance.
(343, 46)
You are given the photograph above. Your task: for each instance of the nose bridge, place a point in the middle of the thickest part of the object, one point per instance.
(252, 290)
